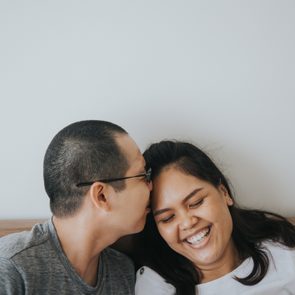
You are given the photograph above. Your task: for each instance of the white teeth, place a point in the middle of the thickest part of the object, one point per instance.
(198, 237)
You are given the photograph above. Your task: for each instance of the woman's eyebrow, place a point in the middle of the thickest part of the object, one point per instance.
(191, 194)
(160, 211)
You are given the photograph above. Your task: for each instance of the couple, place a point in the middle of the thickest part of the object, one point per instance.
(196, 240)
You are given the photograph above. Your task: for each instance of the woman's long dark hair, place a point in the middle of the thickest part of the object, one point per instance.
(250, 227)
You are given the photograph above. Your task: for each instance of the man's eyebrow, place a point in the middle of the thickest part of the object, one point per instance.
(190, 195)
(142, 167)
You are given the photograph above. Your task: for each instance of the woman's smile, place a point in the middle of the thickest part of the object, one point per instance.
(198, 239)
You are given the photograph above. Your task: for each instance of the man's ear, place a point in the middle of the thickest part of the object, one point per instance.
(228, 199)
(99, 196)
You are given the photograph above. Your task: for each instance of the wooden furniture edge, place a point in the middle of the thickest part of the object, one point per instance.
(9, 226)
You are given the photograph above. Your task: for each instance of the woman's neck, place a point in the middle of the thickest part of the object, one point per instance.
(226, 264)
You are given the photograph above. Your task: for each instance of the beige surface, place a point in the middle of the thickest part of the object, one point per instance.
(8, 226)
(16, 225)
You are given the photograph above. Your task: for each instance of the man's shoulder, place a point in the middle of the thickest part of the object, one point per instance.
(117, 257)
(18, 243)
(119, 271)
(118, 263)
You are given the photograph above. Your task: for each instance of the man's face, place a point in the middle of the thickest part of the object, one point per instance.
(133, 201)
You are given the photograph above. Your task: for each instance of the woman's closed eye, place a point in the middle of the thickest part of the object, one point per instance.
(196, 203)
(167, 219)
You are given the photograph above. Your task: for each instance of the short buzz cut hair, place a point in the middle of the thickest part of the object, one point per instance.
(81, 152)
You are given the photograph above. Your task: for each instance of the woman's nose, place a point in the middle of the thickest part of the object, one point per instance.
(188, 221)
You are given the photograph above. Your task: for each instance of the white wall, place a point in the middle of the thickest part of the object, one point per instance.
(218, 73)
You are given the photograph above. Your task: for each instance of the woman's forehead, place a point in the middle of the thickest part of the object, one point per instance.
(173, 183)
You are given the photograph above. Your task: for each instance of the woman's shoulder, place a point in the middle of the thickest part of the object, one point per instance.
(278, 249)
(280, 254)
(149, 282)
(280, 275)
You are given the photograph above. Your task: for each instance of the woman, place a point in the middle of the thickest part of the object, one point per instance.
(198, 241)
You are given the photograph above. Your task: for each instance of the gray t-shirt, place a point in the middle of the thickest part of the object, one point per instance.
(34, 263)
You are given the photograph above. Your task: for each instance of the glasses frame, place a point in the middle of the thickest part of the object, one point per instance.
(147, 175)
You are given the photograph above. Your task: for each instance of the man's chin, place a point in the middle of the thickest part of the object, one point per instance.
(140, 226)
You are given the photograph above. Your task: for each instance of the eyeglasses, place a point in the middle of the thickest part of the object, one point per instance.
(147, 175)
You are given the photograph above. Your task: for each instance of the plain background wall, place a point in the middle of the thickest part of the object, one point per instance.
(217, 73)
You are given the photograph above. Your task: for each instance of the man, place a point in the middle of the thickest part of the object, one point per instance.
(98, 187)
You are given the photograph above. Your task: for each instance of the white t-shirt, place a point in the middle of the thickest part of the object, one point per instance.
(279, 280)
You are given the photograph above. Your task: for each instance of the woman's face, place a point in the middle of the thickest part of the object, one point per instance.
(193, 218)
